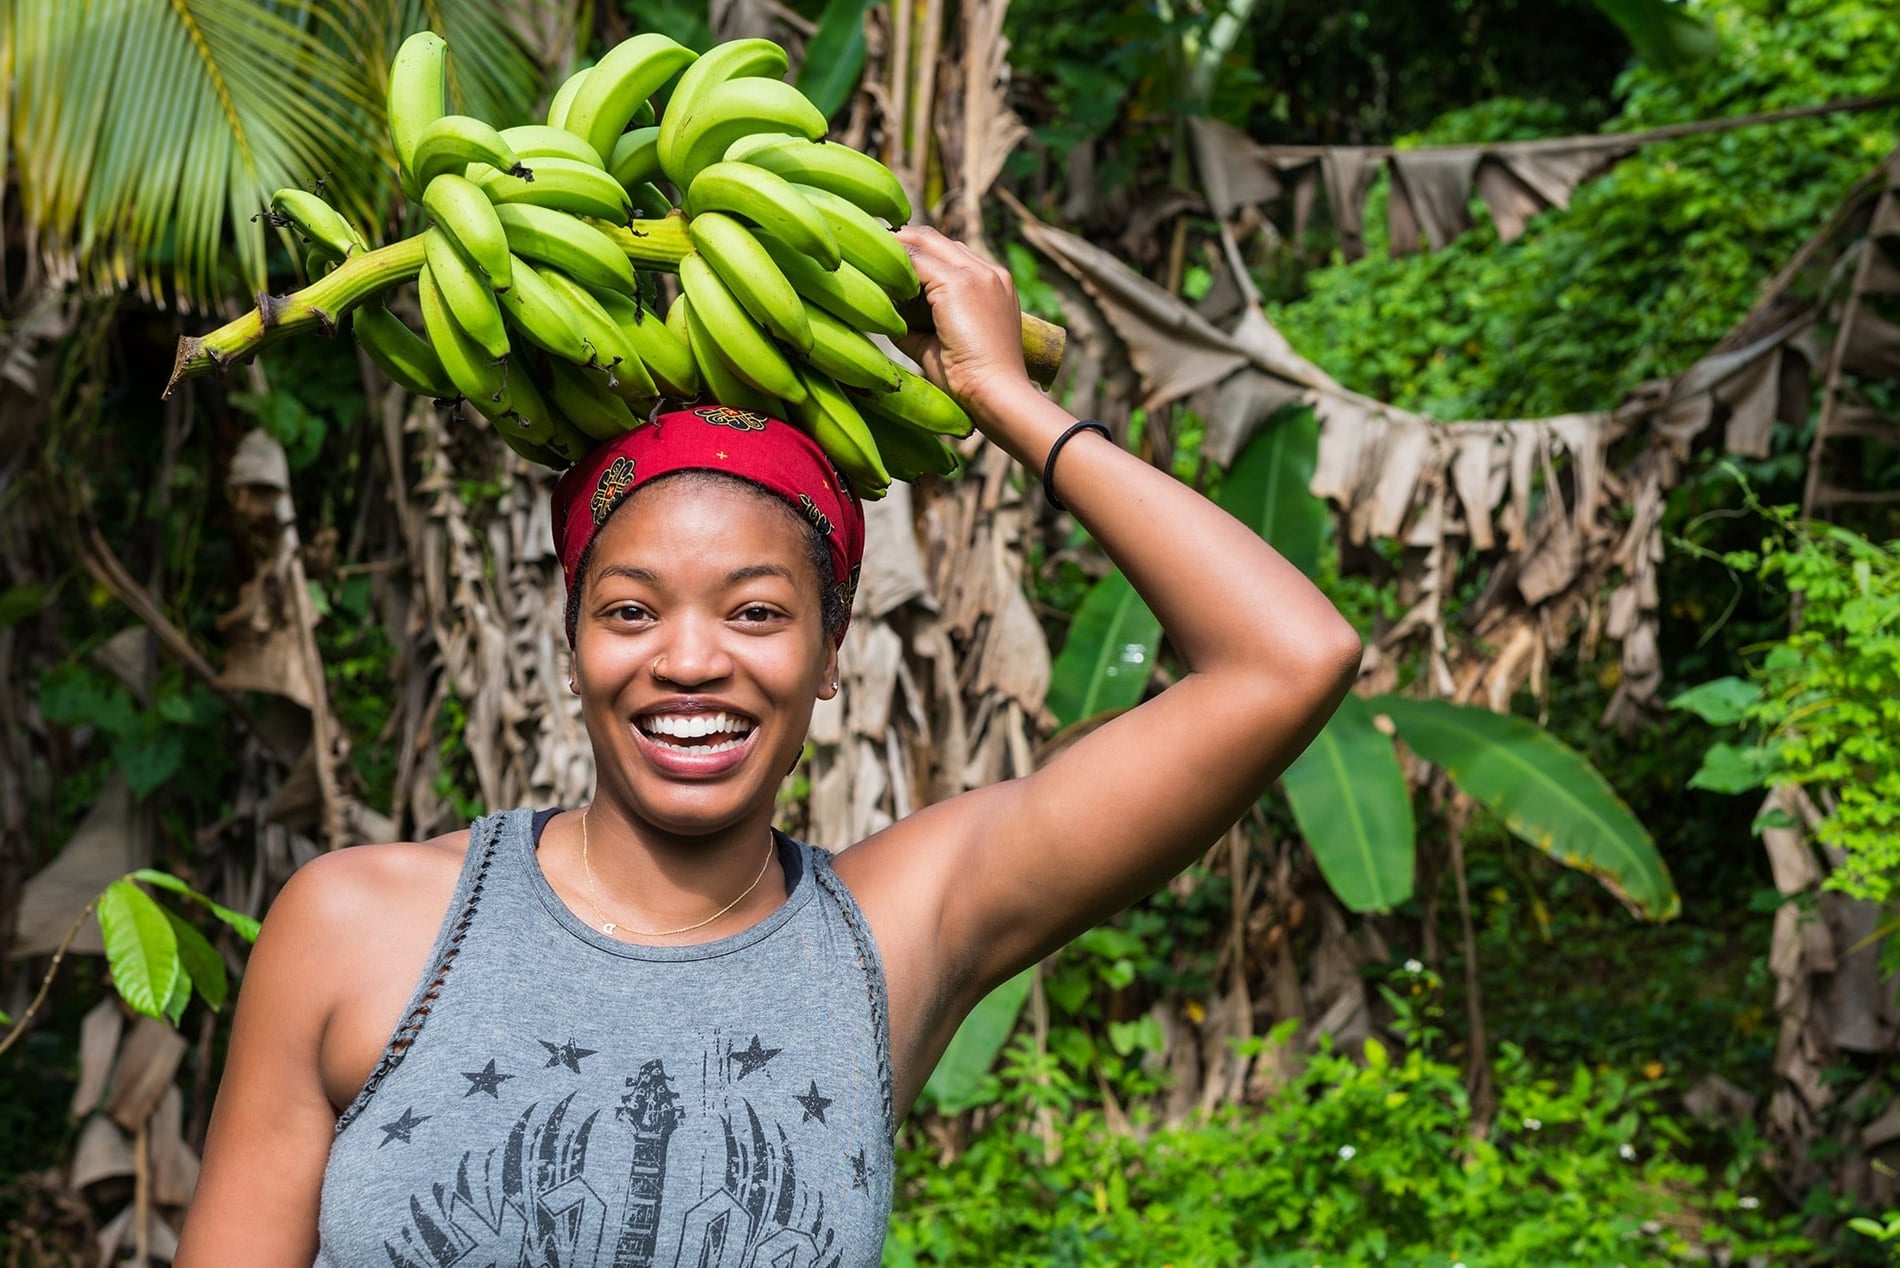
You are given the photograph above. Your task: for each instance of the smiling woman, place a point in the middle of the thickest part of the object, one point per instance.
(654, 1030)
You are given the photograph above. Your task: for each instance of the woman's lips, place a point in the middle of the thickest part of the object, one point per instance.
(695, 761)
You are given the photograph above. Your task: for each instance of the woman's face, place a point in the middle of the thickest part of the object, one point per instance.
(699, 652)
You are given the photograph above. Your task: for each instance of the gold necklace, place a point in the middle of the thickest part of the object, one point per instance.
(608, 926)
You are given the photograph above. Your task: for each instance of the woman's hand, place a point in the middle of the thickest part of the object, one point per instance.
(976, 352)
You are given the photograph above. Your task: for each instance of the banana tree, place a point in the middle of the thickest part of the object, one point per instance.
(1347, 791)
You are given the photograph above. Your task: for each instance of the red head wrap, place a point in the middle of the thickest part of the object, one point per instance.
(772, 454)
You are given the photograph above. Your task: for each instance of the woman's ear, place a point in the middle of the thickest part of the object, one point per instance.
(828, 677)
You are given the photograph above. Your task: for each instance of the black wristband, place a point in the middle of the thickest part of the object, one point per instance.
(1049, 463)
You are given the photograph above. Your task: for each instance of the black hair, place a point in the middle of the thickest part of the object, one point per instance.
(831, 610)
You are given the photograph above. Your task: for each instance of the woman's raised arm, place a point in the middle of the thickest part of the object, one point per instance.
(1016, 869)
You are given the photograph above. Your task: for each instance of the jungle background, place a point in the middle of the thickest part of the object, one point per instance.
(1570, 377)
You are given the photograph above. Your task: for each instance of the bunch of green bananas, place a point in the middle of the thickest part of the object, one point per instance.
(533, 312)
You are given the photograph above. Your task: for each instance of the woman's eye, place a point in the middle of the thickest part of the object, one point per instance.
(629, 612)
(756, 612)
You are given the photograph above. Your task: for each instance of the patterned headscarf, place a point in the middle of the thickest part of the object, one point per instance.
(774, 455)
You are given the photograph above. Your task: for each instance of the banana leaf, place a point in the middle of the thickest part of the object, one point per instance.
(1266, 489)
(834, 59)
(1545, 792)
(957, 1082)
(1663, 33)
(1353, 807)
(1109, 654)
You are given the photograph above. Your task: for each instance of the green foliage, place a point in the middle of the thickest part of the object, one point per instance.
(962, 1079)
(1651, 264)
(178, 728)
(1820, 707)
(157, 958)
(1544, 791)
(1110, 652)
(1266, 489)
(834, 59)
(1353, 806)
(1353, 1163)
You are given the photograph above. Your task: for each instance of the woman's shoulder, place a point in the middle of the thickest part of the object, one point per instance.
(363, 885)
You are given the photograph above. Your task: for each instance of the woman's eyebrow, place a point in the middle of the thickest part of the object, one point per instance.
(753, 571)
(631, 573)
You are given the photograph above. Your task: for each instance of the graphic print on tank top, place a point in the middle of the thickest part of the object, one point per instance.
(723, 1166)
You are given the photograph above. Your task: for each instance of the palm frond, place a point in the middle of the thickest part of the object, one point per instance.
(145, 135)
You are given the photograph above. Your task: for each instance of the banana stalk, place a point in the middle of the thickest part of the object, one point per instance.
(651, 244)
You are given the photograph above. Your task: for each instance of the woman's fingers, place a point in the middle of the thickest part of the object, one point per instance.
(977, 348)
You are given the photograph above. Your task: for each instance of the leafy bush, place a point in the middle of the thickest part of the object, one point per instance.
(1821, 706)
(1650, 264)
(1356, 1163)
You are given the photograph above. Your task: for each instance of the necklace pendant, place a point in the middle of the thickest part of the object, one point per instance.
(609, 927)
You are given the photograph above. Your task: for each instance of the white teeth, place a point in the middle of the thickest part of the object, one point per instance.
(692, 726)
(724, 746)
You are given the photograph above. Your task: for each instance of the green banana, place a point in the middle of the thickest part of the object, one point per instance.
(318, 221)
(865, 242)
(563, 184)
(636, 156)
(538, 140)
(400, 352)
(920, 404)
(736, 337)
(725, 112)
(538, 454)
(529, 415)
(622, 371)
(468, 294)
(460, 209)
(564, 97)
(906, 452)
(418, 96)
(569, 443)
(722, 385)
(660, 349)
(584, 400)
(544, 319)
(750, 273)
(554, 237)
(631, 72)
(849, 357)
(834, 422)
(649, 201)
(855, 177)
(454, 141)
(771, 202)
(844, 292)
(466, 363)
(735, 59)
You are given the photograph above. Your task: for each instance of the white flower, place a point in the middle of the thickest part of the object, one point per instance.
(1749, 1204)
(1346, 1153)
(1413, 966)
(1459, 1264)
(1533, 1124)
(1626, 1152)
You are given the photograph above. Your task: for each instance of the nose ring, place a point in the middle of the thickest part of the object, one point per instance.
(659, 666)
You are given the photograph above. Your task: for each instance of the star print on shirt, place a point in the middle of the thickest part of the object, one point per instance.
(860, 1171)
(486, 1079)
(814, 1104)
(754, 1058)
(400, 1129)
(566, 1054)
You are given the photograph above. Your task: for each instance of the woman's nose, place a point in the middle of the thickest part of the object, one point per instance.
(694, 655)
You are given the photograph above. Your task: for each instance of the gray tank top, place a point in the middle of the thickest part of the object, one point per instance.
(554, 1098)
